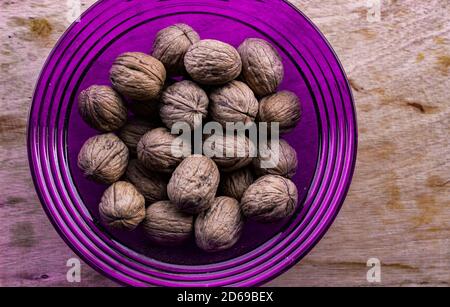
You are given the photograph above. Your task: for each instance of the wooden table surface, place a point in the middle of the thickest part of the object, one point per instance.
(398, 207)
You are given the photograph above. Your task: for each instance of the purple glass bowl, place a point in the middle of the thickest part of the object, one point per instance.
(326, 139)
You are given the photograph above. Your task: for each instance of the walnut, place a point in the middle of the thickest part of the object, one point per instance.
(282, 107)
(171, 44)
(230, 152)
(194, 184)
(166, 225)
(152, 185)
(212, 62)
(283, 159)
(103, 158)
(270, 199)
(122, 206)
(233, 103)
(219, 227)
(102, 108)
(138, 76)
(133, 131)
(156, 151)
(262, 67)
(185, 102)
(235, 184)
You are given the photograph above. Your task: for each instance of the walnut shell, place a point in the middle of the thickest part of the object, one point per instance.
(282, 107)
(103, 158)
(133, 131)
(138, 76)
(212, 62)
(171, 44)
(270, 199)
(102, 108)
(280, 161)
(262, 67)
(235, 184)
(219, 227)
(194, 184)
(155, 151)
(185, 102)
(151, 185)
(166, 225)
(233, 103)
(122, 206)
(230, 152)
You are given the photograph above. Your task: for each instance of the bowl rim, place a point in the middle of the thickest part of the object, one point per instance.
(324, 228)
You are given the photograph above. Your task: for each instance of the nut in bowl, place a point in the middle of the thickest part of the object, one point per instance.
(192, 192)
(135, 146)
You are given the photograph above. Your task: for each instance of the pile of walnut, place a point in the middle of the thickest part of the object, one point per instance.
(173, 198)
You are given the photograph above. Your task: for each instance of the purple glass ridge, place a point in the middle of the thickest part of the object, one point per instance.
(325, 140)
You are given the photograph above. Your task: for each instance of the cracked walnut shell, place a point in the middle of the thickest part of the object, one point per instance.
(219, 227)
(233, 103)
(184, 102)
(103, 158)
(269, 199)
(122, 206)
(262, 67)
(102, 108)
(212, 62)
(194, 184)
(166, 225)
(138, 76)
(171, 45)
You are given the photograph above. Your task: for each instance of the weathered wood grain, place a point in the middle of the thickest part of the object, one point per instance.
(398, 208)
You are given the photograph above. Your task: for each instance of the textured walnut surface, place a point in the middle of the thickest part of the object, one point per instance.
(184, 102)
(122, 206)
(171, 44)
(213, 62)
(103, 158)
(282, 107)
(138, 76)
(194, 184)
(262, 67)
(166, 225)
(133, 131)
(283, 156)
(236, 183)
(270, 199)
(219, 227)
(232, 103)
(102, 108)
(231, 152)
(152, 185)
(155, 150)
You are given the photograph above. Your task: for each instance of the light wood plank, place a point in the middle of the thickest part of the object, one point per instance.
(398, 208)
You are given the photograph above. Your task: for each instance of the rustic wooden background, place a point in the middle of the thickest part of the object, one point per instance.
(398, 208)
